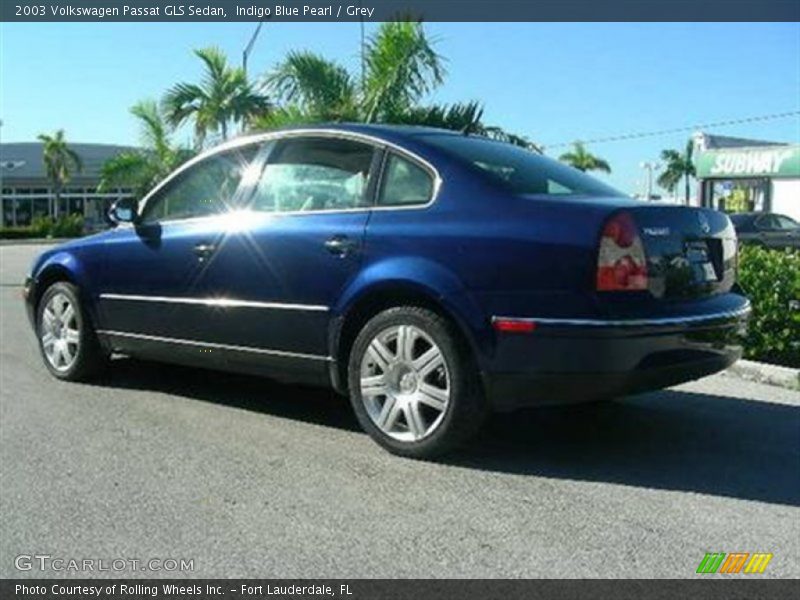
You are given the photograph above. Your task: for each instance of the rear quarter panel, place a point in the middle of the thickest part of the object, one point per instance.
(482, 252)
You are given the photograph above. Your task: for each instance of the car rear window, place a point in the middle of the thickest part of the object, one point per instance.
(519, 170)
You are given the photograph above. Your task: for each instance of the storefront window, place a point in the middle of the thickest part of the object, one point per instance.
(737, 195)
(76, 206)
(41, 207)
(24, 211)
(8, 212)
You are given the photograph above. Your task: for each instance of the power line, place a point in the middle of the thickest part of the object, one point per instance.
(634, 136)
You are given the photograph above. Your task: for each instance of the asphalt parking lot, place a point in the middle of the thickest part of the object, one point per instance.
(250, 478)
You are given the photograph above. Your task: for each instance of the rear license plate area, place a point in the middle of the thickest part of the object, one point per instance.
(706, 255)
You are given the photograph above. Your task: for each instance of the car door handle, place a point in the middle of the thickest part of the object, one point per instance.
(340, 245)
(203, 251)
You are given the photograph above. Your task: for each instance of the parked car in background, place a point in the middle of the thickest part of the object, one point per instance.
(431, 276)
(769, 230)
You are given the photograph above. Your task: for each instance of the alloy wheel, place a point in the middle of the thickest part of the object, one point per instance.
(60, 335)
(405, 383)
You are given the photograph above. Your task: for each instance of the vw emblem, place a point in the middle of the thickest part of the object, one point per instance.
(704, 224)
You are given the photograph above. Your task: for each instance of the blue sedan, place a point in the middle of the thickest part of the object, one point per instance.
(431, 276)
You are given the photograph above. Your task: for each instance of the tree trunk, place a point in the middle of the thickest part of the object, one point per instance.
(57, 202)
(224, 130)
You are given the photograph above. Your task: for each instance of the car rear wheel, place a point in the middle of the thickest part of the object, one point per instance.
(67, 340)
(413, 383)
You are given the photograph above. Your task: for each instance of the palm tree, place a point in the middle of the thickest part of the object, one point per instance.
(60, 161)
(583, 160)
(678, 165)
(143, 168)
(224, 97)
(400, 68)
(314, 86)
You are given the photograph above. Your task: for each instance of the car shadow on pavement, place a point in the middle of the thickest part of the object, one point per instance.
(672, 439)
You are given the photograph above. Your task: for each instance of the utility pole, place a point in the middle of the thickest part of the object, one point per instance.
(245, 53)
(363, 64)
(649, 167)
(249, 47)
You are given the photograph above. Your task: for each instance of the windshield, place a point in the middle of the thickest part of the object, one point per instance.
(519, 170)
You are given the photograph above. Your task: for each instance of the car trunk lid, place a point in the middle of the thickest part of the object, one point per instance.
(691, 252)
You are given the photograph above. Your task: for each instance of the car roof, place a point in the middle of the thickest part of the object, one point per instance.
(378, 129)
(403, 135)
(755, 214)
(398, 134)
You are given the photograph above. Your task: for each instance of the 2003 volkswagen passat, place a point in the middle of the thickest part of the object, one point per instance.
(432, 276)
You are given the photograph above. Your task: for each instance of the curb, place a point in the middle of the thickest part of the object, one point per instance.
(765, 373)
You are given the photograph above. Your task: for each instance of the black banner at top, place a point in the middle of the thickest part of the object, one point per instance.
(385, 10)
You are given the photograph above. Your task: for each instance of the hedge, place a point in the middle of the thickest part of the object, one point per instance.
(46, 227)
(771, 279)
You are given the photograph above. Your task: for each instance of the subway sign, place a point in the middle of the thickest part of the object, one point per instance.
(774, 161)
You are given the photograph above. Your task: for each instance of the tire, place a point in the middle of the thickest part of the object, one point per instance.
(415, 402)
(67, 340)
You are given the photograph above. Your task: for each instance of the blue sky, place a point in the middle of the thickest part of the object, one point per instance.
(553, 82)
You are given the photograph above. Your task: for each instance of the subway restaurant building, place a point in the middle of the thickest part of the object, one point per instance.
(737, 175)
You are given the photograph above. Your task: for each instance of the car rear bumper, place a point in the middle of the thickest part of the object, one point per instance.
(580, 360)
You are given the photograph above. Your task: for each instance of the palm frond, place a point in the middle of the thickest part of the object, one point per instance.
(583, 160)
(464, 117)
(182, 101)
(312, 82)
(124, 170)
(284, 117)
(401, 67)
(154, 129)
(215, 61)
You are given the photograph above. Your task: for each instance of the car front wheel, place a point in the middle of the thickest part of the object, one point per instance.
(413, 383)
(67, 341)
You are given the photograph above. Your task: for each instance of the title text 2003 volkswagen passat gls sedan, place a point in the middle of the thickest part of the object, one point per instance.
(430, 275)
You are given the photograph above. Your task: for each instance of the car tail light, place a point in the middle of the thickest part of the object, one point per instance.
(621, 261)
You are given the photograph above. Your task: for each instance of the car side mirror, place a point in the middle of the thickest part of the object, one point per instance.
(123, 211)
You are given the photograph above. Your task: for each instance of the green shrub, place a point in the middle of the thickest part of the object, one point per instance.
(15, 233)
(45, 227)
(771, 279)
(68, 226)
(41, 226)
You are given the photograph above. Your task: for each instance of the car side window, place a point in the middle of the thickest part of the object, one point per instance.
(768, 223)
(209, 187)
(404, 183)
(314, 174)
(785, 223)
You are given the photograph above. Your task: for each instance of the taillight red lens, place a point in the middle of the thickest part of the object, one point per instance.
(621, 260)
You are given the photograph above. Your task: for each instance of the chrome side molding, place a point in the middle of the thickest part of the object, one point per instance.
(215, 302)
(197, 343)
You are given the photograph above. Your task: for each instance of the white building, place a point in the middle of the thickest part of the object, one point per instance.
(739, 175)
(27, 192)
